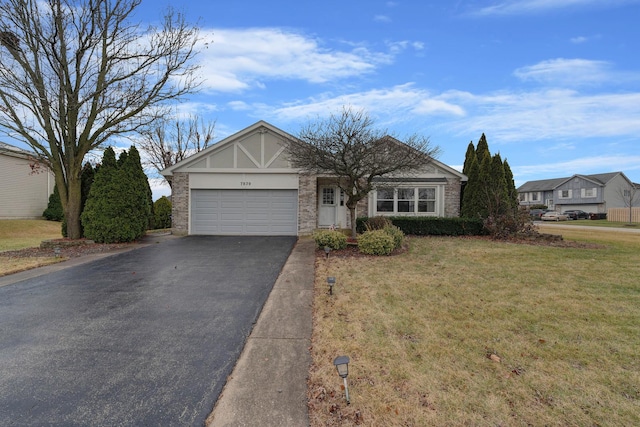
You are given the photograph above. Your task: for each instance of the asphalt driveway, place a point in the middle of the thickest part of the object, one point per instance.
(146, 337)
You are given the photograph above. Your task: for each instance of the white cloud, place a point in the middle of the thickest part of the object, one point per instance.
(381, 18)
(403, 101)
(566, 72)
(519, 7)
(242, 59)
(547, 114)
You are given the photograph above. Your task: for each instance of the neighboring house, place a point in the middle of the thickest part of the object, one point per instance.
(244, 184)
(590, 193)
(24, 190)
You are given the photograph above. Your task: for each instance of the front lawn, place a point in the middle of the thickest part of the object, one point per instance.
(18, 234)
(27, 233)
(469, 331)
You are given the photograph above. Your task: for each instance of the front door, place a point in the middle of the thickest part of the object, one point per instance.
(328, 209)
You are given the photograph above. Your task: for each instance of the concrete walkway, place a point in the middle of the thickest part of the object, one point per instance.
(269, 383)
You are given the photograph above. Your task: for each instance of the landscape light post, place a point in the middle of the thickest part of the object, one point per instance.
(327, 249)
(342, 365)
(331, 281)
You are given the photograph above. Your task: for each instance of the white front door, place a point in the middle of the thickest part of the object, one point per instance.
(328, 209)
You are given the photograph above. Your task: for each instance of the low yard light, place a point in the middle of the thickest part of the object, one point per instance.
(327, 249)
(56, 251)
(331, 281)
(342, 366)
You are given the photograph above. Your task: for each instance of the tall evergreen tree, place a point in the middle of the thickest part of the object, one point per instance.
(118, 208)
(511, 186)
(469, 157)
(482, 149)
(496, 188)
(469, 198)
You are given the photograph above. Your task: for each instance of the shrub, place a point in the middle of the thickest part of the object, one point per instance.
(377, 223)
(376, 242)
(118, 207)
(510, 225)
(162, 212)
(396, 234)
(433, 226)
(54, 207)
(331, 238)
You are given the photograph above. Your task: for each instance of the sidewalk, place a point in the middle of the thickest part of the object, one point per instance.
(268, 385)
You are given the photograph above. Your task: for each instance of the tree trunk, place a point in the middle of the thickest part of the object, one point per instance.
(73, 207)
(352, 213)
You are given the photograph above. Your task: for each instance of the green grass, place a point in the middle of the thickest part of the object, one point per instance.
(420, 328)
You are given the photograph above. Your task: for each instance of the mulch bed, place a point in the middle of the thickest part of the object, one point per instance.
(69, 250)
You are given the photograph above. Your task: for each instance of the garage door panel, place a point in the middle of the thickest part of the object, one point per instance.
(244, 212)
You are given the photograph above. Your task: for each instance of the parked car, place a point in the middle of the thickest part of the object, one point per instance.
(554, 216)
(537, 213)
(576, 214)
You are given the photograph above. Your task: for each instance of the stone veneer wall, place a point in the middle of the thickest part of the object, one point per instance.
(180, 204)
(452, 197)
(307, 203)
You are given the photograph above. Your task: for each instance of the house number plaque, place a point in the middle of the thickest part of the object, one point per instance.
(245, 183)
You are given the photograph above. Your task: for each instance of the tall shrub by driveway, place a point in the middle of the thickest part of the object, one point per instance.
(118, 207)
(162, 212)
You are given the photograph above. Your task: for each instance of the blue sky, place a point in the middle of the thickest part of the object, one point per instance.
(553, 84)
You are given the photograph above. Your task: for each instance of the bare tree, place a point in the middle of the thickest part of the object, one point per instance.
(630, 195)
(349, 146)
(167, 142)
(74, 73)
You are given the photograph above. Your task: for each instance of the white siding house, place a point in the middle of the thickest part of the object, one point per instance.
(24, 191)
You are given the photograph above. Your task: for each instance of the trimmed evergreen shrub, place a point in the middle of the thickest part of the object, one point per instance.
(162, 212)
(433, 226)
(54, 207)
(376, 242)
(118, 208)
(331, 238)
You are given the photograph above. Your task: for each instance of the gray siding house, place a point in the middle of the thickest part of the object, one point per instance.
(590, 193)
(24, 193)
(244, 184)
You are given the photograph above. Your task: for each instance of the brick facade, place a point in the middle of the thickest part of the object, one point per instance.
(452, 197)
(180, 203)
(307, 203)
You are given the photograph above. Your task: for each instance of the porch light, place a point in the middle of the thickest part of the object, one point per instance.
(331, 281)
(342, 366)
(327, 249)
(56, 251)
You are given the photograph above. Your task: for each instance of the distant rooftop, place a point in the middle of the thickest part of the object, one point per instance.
(550, 184)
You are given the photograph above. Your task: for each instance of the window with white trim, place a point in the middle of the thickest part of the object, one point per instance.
(522, 197)
(564, 194)
(534, 197)
(417, 200)
(589, 192)
(384, 201)
(427, 200)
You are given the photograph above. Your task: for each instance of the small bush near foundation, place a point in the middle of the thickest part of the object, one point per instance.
(331, 238)
(396, 234)
(376, 242)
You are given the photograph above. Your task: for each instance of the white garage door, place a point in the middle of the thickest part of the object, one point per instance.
(244, 212)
